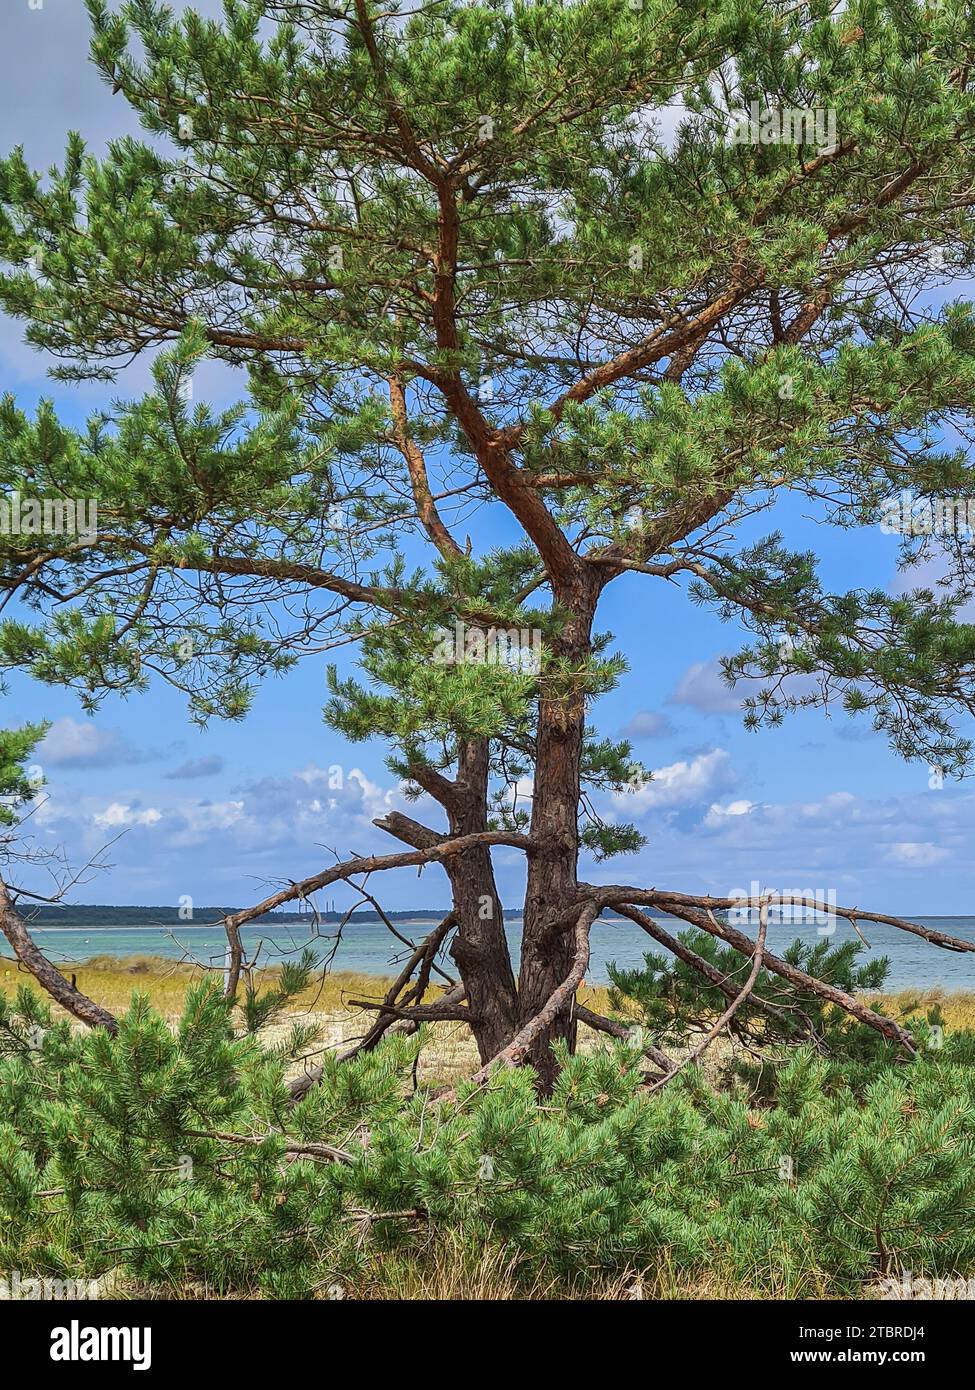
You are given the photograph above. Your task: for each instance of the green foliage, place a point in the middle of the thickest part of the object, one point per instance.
(114, 1158)
(672, 998)
(479, 200)
(16, 787)
(262, 1007)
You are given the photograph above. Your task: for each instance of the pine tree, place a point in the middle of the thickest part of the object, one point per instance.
(462, 267)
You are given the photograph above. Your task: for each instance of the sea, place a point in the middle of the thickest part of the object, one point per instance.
(369, 948)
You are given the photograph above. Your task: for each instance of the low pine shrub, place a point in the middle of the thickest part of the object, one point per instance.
(173, 1159)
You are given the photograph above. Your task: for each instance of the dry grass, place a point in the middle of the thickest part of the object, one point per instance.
(112, 981)
(455, 1272)
(957, 1006)
(452, 1271)
(327, 1003)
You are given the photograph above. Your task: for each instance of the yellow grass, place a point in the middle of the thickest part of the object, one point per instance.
(957, 1006)
(111, 982)
(327, 1003)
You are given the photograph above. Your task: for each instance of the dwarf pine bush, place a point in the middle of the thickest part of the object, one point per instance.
(672, 998)
(172, 1158)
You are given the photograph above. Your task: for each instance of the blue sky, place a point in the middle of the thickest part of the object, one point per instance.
(220, 814)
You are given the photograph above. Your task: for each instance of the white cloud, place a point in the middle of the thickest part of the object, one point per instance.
(352, 789)
(718, 814)
(266, 830)
(913, 855)
(910, 854)
(686, 783)
(213, 815)
(80, 743)
(119, 815)
(703, 688)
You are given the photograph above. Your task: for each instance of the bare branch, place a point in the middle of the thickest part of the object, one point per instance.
(704, 967)
(66, 994)
(757, 961)
(699, 912)
(376, 863)
(600, 1024)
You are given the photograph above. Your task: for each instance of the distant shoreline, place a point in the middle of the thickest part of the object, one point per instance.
(73, 916)
(93, 917)
(367, 945)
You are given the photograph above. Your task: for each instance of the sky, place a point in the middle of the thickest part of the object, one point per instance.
(223, 815)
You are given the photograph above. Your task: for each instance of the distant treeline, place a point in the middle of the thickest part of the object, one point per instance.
(92, 915)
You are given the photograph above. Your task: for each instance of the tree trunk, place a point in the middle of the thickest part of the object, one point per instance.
(548, 945)
(480, 946)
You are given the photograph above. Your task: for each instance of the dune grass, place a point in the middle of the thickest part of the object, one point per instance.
(327, 1003)
(957, 1006)
(111, 982)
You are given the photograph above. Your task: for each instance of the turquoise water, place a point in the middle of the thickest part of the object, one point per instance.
(369, 947)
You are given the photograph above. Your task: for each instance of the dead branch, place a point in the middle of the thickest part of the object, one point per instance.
(236, 958)
(377, 863)
(437, 1012)
(601, 1024)
(699, 912)
(721, 982)
(323, 1151)
(47, 975)
(713, 1032)
(850, 914)
(423, 955)
(423, 948)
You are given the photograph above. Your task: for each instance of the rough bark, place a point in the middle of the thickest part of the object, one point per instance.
(47, 975)
(480, 947)
(557, 1006)
(548, 948)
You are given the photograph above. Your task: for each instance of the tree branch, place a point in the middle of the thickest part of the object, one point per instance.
(66, 994)
(377, 863)
(757, 961)
(699, 912)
